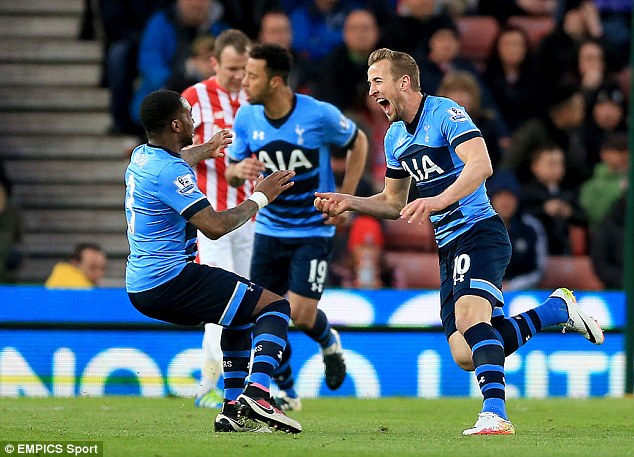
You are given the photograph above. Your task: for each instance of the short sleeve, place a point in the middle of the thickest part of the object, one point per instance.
(455, 124)
(177, 188)
(393, 168)
(388, 144)
(337, 128)
(239, 149)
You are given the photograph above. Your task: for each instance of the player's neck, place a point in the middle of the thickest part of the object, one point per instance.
(412, 104)
(165, 142)
(280, 103)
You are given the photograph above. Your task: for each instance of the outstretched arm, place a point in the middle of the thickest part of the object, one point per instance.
(385, 205)
(355, 164)
(215, 224)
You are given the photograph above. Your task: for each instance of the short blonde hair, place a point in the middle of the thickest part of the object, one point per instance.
(461, 81)
(401, 64)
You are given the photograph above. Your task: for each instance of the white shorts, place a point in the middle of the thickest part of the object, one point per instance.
(231, 252)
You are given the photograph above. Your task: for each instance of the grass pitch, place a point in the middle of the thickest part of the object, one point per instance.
(130, 426)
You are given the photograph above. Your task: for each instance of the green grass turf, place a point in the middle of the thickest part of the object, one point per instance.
(130, 426)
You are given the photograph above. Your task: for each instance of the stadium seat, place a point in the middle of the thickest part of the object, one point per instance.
(477, 34)
(573, 272)
(420, 269)
(624, 78)
(578, 238)
(401, 236)
(536, 27)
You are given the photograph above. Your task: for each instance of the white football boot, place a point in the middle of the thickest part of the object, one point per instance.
(490, 424)
(579, 320)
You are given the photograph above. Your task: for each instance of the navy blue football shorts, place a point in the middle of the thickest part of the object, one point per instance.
(296, 264)
(200, 294)
(473, 264)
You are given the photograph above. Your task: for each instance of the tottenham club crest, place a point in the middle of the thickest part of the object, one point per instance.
(185, 184)
(299, 131)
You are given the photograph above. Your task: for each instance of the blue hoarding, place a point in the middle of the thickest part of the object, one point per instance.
(157, 363)
(41, 354)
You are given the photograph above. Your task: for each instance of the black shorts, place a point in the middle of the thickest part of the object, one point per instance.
(473, 264)
(200, 294)
(296, 264)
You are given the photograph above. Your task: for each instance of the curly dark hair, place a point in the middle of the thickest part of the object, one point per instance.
(278, 60)
(158, 109)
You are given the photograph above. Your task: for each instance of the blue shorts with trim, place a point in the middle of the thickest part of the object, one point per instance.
(473, 264)
(296, 264)
(200, 294)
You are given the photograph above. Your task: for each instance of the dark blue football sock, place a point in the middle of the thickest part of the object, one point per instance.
(283, 375)
(321, 332)
(236, 353)
(488, 358)
(517, 330)
(269, 340)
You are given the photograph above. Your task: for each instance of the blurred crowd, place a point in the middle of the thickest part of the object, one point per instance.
(546, 81)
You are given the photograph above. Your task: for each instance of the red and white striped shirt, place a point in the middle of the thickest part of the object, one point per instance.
(213, 109)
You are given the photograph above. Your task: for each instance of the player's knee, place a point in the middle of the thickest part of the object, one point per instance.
(463, 323)
(466, 320)
(303, 319)
(280, 306)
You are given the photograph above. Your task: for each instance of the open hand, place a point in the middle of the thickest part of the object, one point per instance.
(274, 184)
(248, 169)
(208, 150)
(220, 140)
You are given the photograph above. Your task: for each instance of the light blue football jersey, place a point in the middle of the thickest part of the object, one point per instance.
(426, 151)
(300, 141)
(161, 195)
